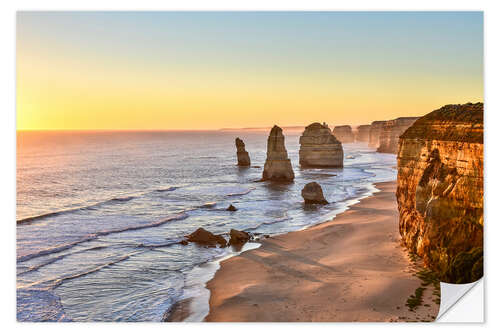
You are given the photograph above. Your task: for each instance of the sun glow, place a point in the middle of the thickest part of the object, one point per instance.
(99, 71)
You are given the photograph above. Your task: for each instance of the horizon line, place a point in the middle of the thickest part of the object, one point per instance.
(170, 129)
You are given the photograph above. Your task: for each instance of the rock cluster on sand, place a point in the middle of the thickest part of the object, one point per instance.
(241, 153)
(204, 237)
(392, 129)
(375, 130)
(238, 237)
(313, 194)
(440, 191)
(363, 133)
(320, 148)
(344, 133)
(278, 166)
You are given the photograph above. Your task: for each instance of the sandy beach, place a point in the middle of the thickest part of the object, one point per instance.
(351, 268)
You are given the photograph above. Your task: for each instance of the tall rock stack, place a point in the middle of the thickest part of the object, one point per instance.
(241, 153)
(344, 133)
(375, 130)
(440, 191)
(363, 133)
(320, 148)
(391, 131)
(278, 166)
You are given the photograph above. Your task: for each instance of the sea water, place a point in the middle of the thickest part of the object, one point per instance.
(100, 215)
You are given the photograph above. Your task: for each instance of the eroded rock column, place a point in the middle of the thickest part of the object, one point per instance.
(241, 153)
(278, 166)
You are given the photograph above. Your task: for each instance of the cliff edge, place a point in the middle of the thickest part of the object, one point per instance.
(440, 191)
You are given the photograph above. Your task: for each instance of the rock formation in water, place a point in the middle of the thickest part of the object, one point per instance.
(375, 130)
(231, 208)
(391, 131)
(204, 237)
(241, 153)
(344, 133)
(313, 194)
(278, 166)
(238, 237)
(320, 148)
(363, 133)
(440, 191)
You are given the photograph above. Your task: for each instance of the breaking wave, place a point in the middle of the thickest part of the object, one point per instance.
(93, 236)
(116, 200)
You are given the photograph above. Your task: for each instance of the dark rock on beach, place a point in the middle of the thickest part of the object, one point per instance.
(238, 237)
(231, 208)
(313, 194)
(204, 237)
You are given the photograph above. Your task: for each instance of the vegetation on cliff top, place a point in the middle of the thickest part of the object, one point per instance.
(457, 122)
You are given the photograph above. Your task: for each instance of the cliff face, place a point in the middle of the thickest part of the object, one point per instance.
(363, 133)
(344, 133)
(391, 130)
(241, 153)
(278, 166)
(320, 148)
(375, 130)
(440, 191)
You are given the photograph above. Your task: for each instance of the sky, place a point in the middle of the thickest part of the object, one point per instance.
(211, 70)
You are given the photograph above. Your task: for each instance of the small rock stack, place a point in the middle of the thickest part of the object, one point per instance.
(375, 130)
(344, 133)
(390, 133)
(278, 166)
(363, 133)
(241, 153)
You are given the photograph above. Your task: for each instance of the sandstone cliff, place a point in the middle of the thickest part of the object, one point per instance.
(320, 148)
(363, 133)
(391, 130)
(344, 133)
(375, 130)
(241, 153)
(278, 166)
(440, 191)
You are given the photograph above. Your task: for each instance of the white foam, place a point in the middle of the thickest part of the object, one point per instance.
(197, 279)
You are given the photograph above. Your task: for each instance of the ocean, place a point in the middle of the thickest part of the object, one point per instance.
(100, 215)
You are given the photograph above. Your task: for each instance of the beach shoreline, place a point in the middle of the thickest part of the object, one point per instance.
(351, 268)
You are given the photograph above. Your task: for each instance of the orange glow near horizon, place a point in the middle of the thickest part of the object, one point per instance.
(89, 84)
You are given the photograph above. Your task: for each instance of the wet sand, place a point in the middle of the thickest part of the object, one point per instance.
(351, 268)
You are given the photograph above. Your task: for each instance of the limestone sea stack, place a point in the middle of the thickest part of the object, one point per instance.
(392, 129)
(320, 148)
(344, 133)
(363, 133)
(241, 153)
(375, 130)
(313, 194)
(278, 166)
(440, 191)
